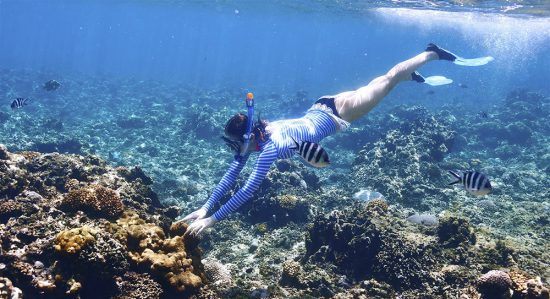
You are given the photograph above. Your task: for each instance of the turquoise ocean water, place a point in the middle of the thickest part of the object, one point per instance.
(152, 83)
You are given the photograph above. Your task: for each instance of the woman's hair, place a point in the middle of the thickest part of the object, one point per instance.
(235, 127)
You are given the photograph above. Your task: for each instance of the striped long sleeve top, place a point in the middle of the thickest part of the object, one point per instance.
(313, 127)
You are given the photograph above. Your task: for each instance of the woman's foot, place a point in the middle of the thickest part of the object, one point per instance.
(432, 80)
(417, 77)
(442, 53)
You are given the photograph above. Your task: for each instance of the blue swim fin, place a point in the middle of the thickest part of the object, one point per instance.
(448, 55)
(437, 80)
(473, 61)
(432, 80)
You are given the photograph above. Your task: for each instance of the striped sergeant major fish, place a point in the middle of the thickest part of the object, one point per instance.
(19, 102)
(314, 154)
(474, 182)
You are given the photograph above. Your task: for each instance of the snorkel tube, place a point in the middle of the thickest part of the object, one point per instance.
(250, 122)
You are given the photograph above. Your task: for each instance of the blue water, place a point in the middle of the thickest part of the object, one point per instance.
(152, 84)
(279, 47)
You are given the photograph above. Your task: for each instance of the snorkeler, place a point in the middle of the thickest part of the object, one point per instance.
(328, 115)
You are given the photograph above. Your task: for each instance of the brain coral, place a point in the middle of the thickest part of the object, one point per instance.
(95, 200)
(494, 284)
(72, 241)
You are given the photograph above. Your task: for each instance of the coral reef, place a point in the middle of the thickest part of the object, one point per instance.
(216, 272)
(115, 240)
(495, 284)
(8, 290)
(363, 244)
(172, 132)
(136, 285)
(94, 199)
(72, 241)
(149, 248)
(131, 123)
(515, 123)
(453, 231)
(368, 244)
(402, 164)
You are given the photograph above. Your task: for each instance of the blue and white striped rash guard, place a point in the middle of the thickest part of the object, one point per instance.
(313, 127)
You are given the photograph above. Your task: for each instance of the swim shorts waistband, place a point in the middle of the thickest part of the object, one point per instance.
(326, 105)
(329, 102)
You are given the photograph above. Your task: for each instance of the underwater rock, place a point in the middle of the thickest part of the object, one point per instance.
(54, 124)
(179, 189)
(12, 208)
(495, 284)
(3, 152)
(518, 133)
(204, 122)
(8, 290)
(377, 206)
(131, 123)
(69, 146)
(4, 117)
(377, 289)
(453, 231)
(135, 173)
(282, 209)
(515, 123)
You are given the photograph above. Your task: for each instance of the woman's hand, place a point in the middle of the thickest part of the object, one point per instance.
(198, 214)
(198, 226)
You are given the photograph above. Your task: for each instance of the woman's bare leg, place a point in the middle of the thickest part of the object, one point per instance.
(351, 105)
